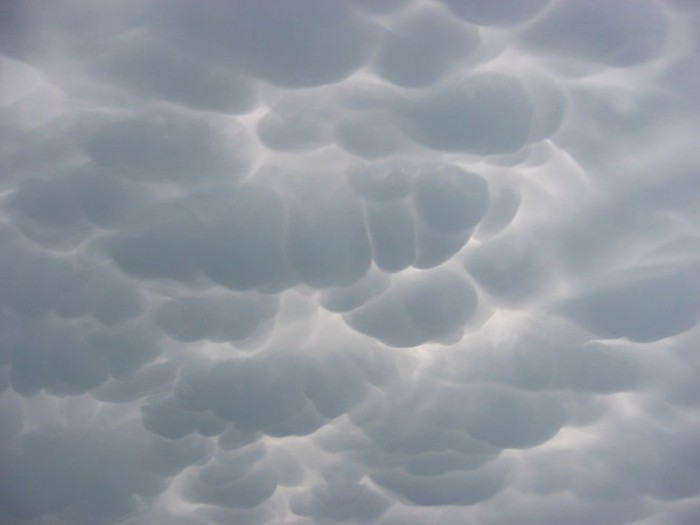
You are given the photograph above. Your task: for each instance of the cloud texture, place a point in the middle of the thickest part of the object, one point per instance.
(352, 261)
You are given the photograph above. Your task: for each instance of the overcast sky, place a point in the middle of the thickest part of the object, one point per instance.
(394, 262)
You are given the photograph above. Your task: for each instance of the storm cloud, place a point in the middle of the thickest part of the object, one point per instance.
(349, 261)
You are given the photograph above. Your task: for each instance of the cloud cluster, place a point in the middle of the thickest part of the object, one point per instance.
(371, 262)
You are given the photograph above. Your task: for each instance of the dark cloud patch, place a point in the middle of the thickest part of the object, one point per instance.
(219, 319)
(368, 137)
(617, 34)
(644, 307)
(32, 281)
(166, 147)
(380, 6)
(74, 358)
(301, 394)
(157, 253)
(446, 204)
(145, 66)
(423, 47)
(454, 488)
(235, 391)
(426, 307)
(483, 12)
(49, 212)
(166, 417)
(392, 233)
(131, 385)
(484, 114)
(510, 270)
(90, 474)
(107, 199)
(327, 242)
(243, 238)
(507, 418)
(276, 41)
(450, 199)
(435, 248)
(12, 417)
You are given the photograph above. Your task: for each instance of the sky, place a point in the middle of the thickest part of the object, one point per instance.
(392, 262)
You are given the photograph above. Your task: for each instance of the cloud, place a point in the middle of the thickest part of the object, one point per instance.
(485, 13)
(370, 262)
(423, 48)
(483, 114)
(275, 41)
(614, 35)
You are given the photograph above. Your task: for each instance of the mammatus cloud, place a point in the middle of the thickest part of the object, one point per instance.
(352, 261)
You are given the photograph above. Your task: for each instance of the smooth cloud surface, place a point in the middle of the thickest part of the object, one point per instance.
(351, 261)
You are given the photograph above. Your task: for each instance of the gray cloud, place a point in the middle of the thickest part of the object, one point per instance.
(617, 35)
(486, 13)
(238, 34)
(483, 114)
(370, 262)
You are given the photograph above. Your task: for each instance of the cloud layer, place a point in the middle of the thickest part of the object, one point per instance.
(371, 262)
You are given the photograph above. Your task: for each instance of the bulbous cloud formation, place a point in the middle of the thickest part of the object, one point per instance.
(349, 261)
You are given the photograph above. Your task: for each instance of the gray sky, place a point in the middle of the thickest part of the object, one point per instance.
(395, 262)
